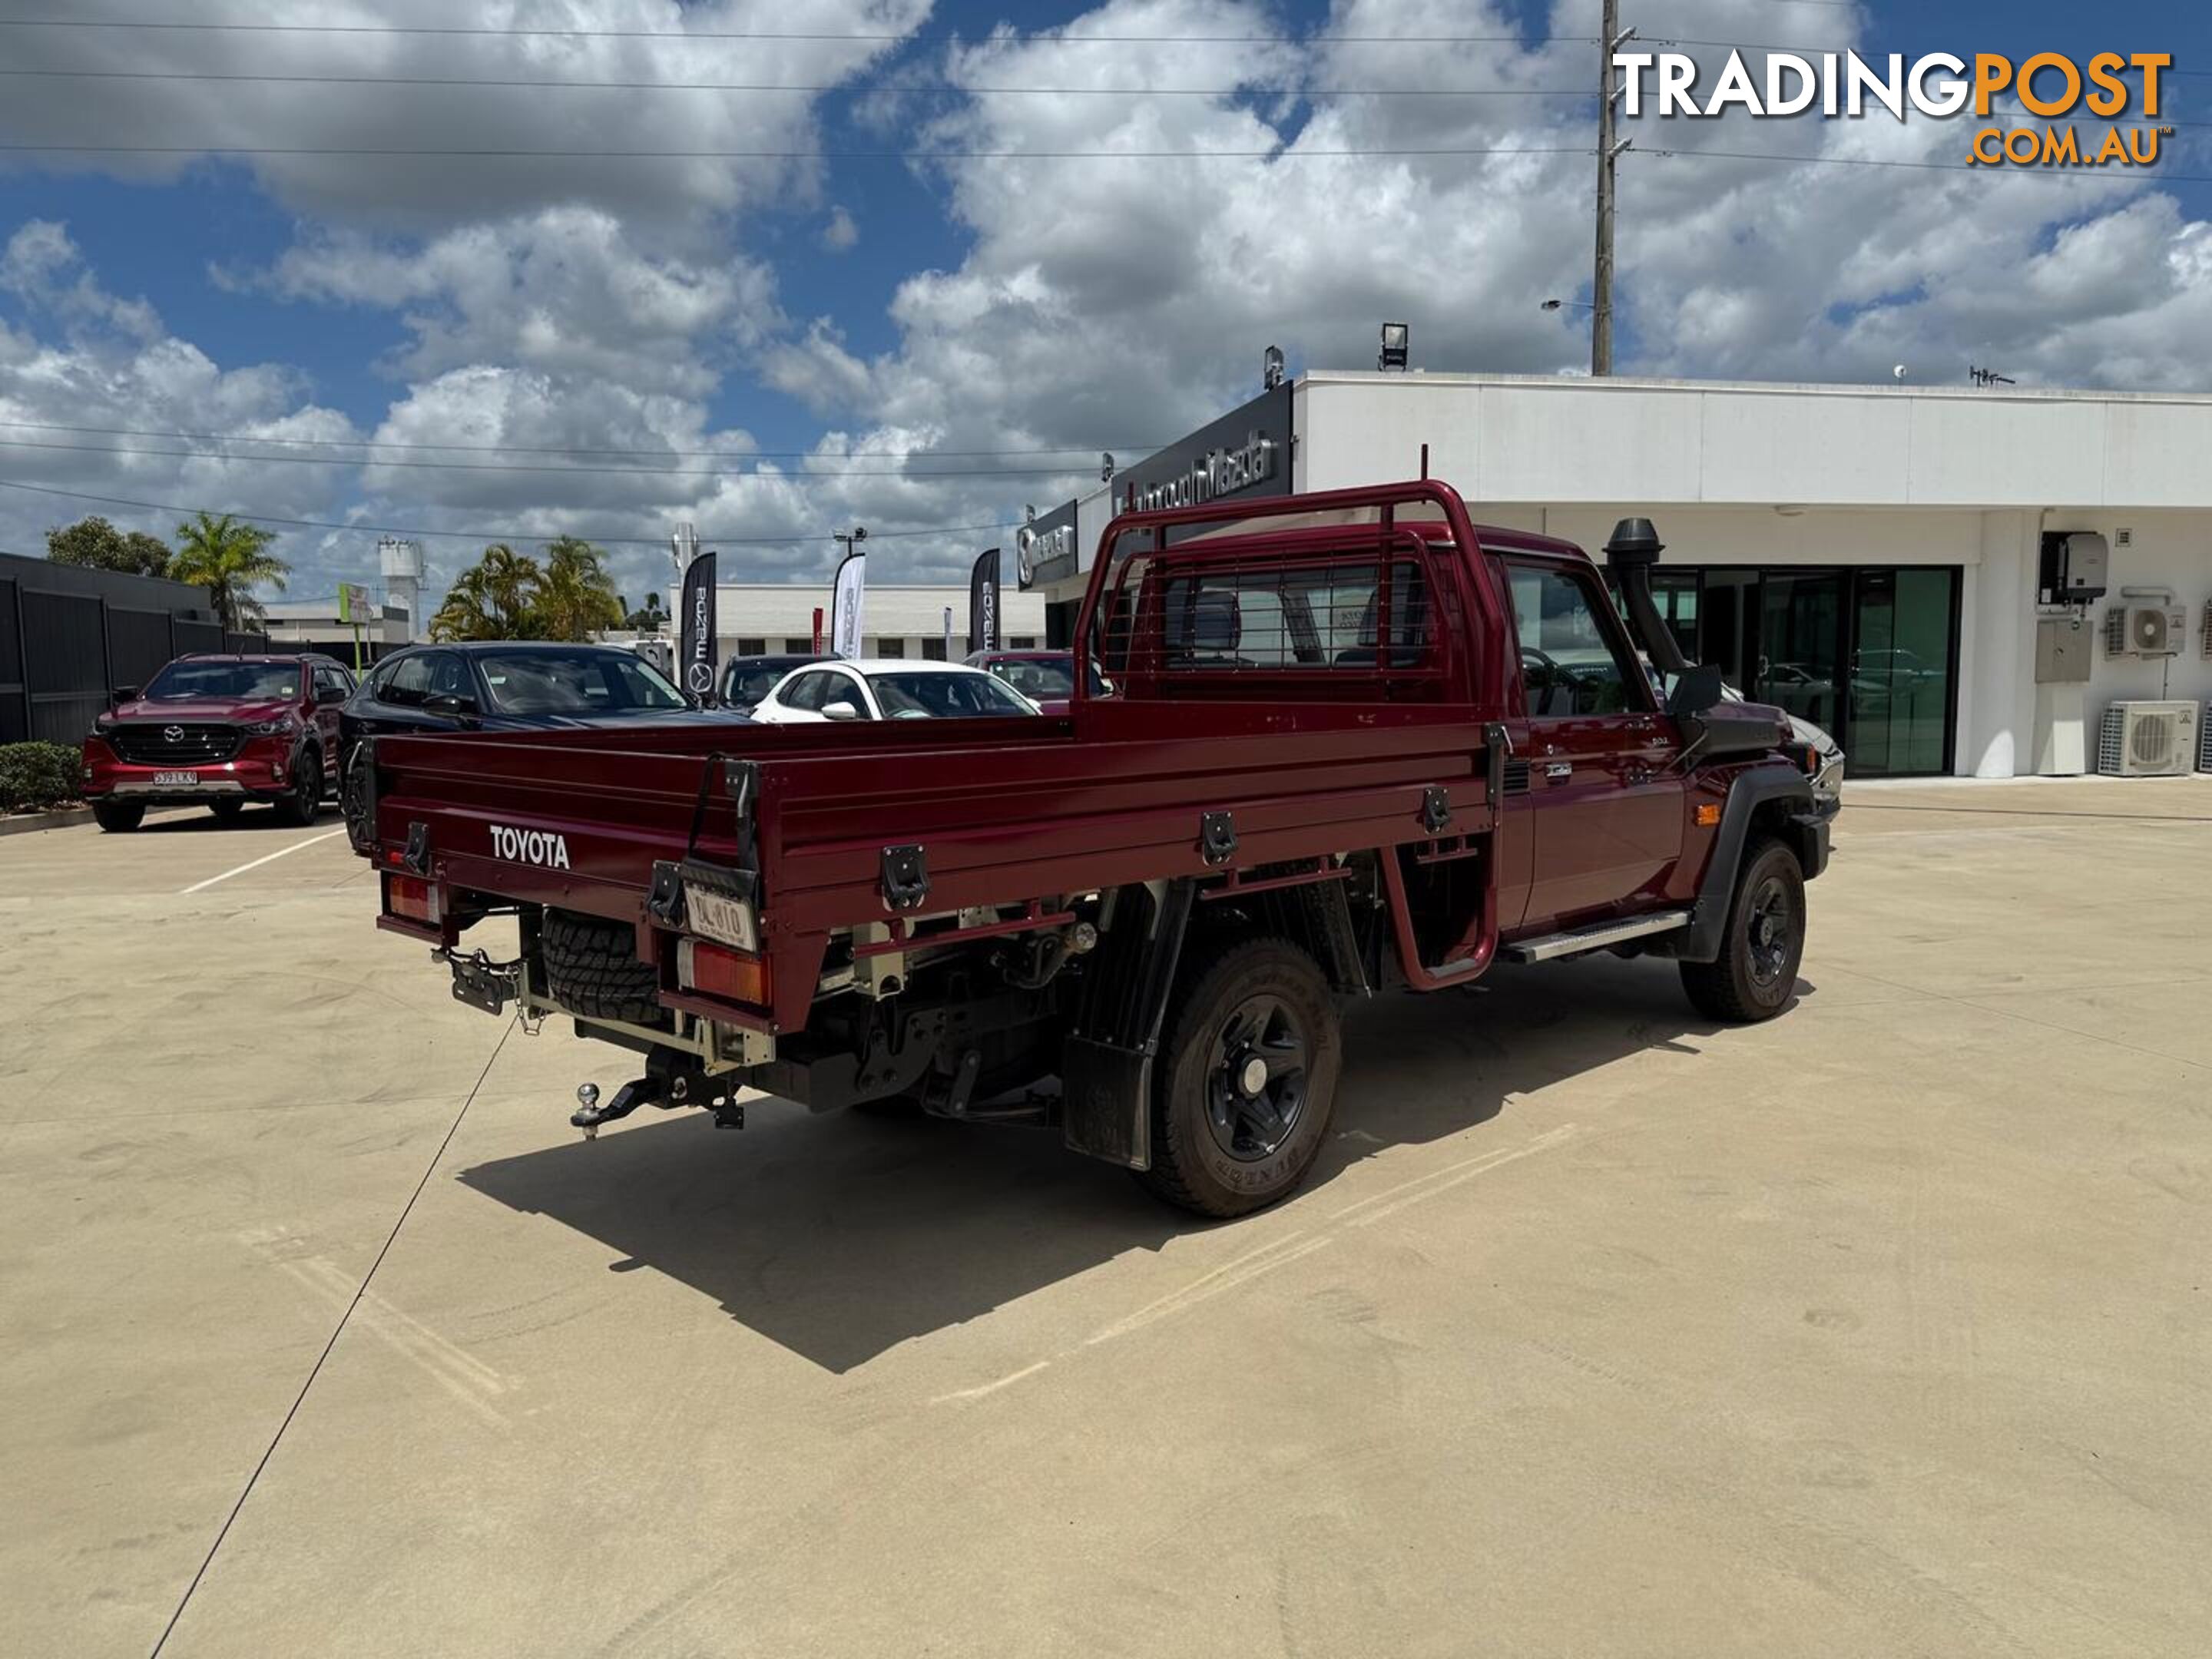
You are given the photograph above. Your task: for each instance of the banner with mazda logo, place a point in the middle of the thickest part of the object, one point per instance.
(696, 657)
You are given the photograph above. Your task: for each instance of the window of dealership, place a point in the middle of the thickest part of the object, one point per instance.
(1864, 556)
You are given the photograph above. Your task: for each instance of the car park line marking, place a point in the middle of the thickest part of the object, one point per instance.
(1242, 1270)
(1452, 1175)
(315, 1370)
(257, 863)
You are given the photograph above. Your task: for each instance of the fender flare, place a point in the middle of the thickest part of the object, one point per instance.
(1767, 785)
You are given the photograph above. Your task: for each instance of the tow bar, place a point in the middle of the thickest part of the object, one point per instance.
(669, 1082)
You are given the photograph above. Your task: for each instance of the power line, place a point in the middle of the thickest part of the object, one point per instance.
(931, 89)
(1034, 37)
(1278, 152)
(659, 541)
(501, 466)
(545, 449)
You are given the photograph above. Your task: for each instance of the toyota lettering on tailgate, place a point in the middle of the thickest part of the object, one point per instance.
(530, 847)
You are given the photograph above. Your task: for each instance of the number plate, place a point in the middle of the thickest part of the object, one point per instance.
(170, 780)
(715, 915)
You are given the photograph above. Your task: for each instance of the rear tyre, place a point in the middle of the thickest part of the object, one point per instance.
(299, 805)
(118, 816)
(1246, 1079)
(591, 968)
(226, 812)
(1756, 973)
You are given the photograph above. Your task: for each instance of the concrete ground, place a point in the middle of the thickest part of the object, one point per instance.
(1885, 1328)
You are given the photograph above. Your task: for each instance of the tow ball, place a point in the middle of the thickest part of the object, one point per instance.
(667, 1091)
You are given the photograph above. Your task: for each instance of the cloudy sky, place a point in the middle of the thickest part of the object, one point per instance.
(781, 269)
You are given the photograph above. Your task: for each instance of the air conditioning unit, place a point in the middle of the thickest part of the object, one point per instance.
(2208, 629)
(2148, 739)
(2144, 630)
(2204, 741)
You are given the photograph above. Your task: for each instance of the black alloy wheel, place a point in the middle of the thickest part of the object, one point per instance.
(1246, 1076)
(1755, 975)
(1257, 1087)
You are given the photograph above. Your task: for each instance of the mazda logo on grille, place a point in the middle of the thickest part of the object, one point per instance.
(173, 734)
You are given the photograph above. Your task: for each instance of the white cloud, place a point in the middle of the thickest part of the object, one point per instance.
(841, 235)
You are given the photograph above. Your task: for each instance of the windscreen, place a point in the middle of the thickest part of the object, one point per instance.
(580, 682)
(921, 695)
(242, 682)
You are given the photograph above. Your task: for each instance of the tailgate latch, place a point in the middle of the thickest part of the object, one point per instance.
(1217, 836)
(906, 877)
(665, 902)
(417, 856)
(1436, 809)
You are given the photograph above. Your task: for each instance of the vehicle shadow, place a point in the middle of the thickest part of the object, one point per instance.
(840, 1235)
(198, 821)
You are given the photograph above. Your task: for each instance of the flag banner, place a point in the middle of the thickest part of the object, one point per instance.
(696, 654)
(845, 622)
(983, 624)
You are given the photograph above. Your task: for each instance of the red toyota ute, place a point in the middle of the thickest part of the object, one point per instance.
(219, 732)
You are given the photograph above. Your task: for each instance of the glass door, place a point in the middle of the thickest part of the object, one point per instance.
(1801, 645)
(1902, 624)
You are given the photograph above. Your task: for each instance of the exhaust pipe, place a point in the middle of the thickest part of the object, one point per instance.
(1630, 553)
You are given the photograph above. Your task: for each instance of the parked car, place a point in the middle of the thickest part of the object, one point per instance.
(218, 731)
(504, 686)
(1139, 926)
(746, 680)
(1046, 678)
(888, 689)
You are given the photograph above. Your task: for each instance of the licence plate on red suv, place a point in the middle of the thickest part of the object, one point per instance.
(171, 779)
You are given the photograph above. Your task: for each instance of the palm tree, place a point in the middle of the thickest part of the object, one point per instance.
(577, 597)
(495, 599)
(227, 557)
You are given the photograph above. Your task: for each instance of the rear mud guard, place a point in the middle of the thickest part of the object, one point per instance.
(1106, 1061)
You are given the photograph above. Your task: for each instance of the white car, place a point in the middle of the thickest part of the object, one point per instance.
(888, 689)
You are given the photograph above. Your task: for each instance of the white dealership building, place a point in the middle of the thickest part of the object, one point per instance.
(1871, 557)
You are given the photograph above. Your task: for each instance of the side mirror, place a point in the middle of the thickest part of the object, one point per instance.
(122, 694)
(842, 709)
(450, 704)
(1696, 690)
(327, 695)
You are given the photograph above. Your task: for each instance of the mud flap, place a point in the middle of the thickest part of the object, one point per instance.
(1106, 1061)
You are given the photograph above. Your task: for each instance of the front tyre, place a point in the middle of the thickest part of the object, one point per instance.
(1246, 1079)
(299, 805)
(118, 817)
(1756, 973)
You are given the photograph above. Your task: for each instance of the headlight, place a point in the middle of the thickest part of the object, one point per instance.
(271, 728)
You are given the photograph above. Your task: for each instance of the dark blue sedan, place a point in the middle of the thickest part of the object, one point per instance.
(505, 685)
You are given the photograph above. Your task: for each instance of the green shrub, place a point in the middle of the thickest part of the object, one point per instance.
(37, 774)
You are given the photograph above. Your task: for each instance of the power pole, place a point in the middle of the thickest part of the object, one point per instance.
(1611, 39)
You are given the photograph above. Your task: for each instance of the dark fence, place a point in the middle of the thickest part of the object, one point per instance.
(69, 638)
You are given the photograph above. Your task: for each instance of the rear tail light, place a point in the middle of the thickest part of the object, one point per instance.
(404, 895)
(721, 972)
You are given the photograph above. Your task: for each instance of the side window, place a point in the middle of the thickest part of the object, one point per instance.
(333, 679)
(449, 675)
(808, 691)
(1568, 663)
(844, 687)
(407, 682)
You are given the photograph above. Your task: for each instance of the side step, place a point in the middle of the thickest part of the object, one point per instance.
(1602, 936)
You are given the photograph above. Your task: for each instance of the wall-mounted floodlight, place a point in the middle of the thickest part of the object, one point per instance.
(1271, 369)
(1396, 339)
